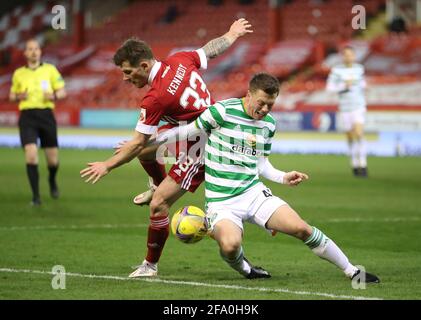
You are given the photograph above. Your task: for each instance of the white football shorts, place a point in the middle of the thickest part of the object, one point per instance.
(256, 206)
(347, 119)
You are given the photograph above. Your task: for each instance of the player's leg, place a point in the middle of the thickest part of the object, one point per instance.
(156, 172)
(346, 123)
(358, 131)
(149, 160)
(185, 175)
(225, 223)
(51, 154)
(49, 142)
(168, 192)
(229, 237)
(287, 221)
(31, 159)
(353, 152)
(28, 137)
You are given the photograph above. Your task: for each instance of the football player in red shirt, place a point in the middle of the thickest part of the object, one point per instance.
(177, 93)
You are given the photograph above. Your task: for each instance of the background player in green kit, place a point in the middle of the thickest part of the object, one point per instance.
(239, 143)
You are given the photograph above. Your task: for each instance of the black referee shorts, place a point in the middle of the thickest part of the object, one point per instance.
(38, 123)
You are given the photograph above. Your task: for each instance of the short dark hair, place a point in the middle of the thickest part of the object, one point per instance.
(133, 50)
(265, 82)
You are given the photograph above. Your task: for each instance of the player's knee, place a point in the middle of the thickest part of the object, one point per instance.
(31, 158)
(158, 205)
(303, 231)
(229, 246)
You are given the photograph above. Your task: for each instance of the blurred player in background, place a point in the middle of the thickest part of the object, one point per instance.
(177, 93)
(36, 87)
(239, 144)
(348, 81)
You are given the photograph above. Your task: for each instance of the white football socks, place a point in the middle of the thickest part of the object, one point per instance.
(326, 249)
(238, 263)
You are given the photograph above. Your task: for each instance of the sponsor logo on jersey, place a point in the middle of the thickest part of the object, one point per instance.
(178, 172)
(246, 150)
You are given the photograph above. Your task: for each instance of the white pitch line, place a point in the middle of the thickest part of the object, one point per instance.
(117, 226)
(406, 219)
(195, 284)
(73, 227)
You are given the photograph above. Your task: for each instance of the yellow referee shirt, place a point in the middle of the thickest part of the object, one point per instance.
(35, 82)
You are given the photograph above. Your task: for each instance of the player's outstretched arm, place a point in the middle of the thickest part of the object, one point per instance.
(219, 45)
(291, 178)
(96, 170)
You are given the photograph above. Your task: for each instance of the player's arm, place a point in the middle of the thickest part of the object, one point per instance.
(219, 45)
(212, 118)
(177, 134)
(15, 94)
(16, 97)
(55, 95)
(291, 178)
(132, 148)
(334, 83)
(57, 83)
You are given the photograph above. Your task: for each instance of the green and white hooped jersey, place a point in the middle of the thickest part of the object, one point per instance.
(235, 143)
(354, 98)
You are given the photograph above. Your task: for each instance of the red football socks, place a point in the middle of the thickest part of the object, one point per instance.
(158, 232)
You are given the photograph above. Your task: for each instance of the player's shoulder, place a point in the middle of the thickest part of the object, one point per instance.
(19, 70)
(270, 119)
(151, 100)
(338, 67)
(48, 66)
(231, 103)
(358, 66)
(182, 56)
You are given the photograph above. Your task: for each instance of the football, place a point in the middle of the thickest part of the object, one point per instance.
(188, 224)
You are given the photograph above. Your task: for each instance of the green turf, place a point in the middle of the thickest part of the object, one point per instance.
(72, 232)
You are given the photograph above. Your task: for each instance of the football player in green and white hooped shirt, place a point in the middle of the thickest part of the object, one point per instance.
(240, 133)
(347, 80)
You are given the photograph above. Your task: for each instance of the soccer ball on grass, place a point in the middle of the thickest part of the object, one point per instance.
(188, 224)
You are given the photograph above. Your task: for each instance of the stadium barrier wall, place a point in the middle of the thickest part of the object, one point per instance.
(399, 132)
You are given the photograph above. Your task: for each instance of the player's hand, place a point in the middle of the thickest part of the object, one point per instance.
(49, 96)
(240, 27)
(349, 83)
(94, 171)
(119, 146)
(22, 95)
(294, 178)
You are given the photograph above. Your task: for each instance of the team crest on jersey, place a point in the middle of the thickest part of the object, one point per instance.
(142, 117)
(265, 132)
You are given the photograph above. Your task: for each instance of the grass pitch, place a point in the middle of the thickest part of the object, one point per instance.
(97, 235)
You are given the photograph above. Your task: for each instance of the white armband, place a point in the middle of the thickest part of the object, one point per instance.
(266, 170)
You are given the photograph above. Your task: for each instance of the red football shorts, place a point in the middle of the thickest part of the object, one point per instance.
(189, 169)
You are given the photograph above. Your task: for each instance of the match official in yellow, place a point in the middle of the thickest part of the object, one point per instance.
(36, 86)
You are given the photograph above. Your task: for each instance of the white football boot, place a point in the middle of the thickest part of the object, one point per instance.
(145, 197)
(146, 269)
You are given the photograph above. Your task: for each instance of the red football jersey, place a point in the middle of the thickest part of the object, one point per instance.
(177, 93)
